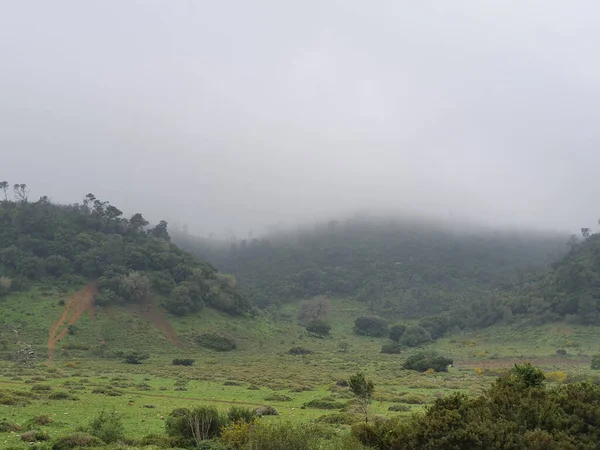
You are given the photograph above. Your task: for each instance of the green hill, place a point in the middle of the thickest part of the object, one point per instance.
(68, 246)
(569, 289)
(401, 268)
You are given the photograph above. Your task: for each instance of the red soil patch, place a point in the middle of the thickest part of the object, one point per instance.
(157, 317)
(79, 303)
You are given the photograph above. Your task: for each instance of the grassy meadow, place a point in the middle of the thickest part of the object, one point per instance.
(85, 377)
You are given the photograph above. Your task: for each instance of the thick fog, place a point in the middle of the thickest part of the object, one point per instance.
(238, 115)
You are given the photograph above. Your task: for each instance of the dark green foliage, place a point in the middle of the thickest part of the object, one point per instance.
(392, 348)
(517, 412)
(216, 341)
(240, 414)
(398, 267)
(183, 362)
(322, 403)
(423, 361)
(436, 326)
(362, 388)
(374, 326)
(133, 357)
(399, 408)
(7, 427)
(107, 426)
(191, 426)
(61, 395)
(299, 351)
(76, 440)
(396, 331)
(595, 362)
(415, 336)
(69, 244)
(318, 327)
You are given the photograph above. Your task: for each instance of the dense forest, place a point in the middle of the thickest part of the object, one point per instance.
(402, 268)
(70, 245)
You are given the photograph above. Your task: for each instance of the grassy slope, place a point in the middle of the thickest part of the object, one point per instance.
(260, 364)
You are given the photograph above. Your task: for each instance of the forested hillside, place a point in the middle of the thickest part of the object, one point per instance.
(570, 289)
(71, 245)
(402, 268)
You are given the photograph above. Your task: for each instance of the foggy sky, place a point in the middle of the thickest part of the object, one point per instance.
(241, 114)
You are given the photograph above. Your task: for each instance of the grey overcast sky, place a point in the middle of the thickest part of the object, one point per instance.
(240, 114)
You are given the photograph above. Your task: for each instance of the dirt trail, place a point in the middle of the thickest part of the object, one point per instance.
(79, 303)
(157, 317)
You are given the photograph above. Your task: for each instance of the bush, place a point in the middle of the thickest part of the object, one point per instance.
(399, 408)
(423, 361)
(7, 427)
(61, 395)
(261, 435)
(392, 348)
(397, 331)
(195, 425)
(299, 351)
(415, 336)
(318, 327)
(76, 440)
(107, 426)
(41, 387)
(135, 357)
(240, 414)
(183, 362)
(374, 326)
(35, 436)
(216, 341)
(596, 362)
(42, 419)
(321, 403)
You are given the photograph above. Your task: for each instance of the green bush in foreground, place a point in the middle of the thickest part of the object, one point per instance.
(373, 326)
(517, 412)
(76, 440)
(107, 426)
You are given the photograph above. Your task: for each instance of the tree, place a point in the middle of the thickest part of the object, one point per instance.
(137, 223)
(422, 361)
(415, 336)
(318, 327)
(586, 232)
(373, 326)
(135, 287)
(4, 187)
(317, 308)
(160, 231)
(363, 392)
(397, 331)
(21, 191)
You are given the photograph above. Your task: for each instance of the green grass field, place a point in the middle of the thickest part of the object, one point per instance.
(258, 372)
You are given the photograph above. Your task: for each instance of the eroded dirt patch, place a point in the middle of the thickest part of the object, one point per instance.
(82, 301)
(157, 317)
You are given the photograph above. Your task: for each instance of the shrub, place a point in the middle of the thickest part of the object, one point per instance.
(299, 351)
(558, 376)
(278, 398)
(399, 408)
(135, 357)
(41, 387)
(397, 331)
(107, 426)
(322, 403)
(341, 418)
(240, 414)
(415, 336)
(76, 440)
(596, 362)
(183, 362)
(61, 395)
(318, 327)
(423, 361)
(195, 425)
(374, 326)
(42, 419)
(392, 348)
(7, 427)
(216, 341)
(561, 352)
(261, 435)
(35, 436)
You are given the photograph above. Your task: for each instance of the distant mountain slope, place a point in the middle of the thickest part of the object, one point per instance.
(406, 268)
(571, 288)
(70, 245)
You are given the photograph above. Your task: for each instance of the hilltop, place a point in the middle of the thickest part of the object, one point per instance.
(69, 246)
(402, 268)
